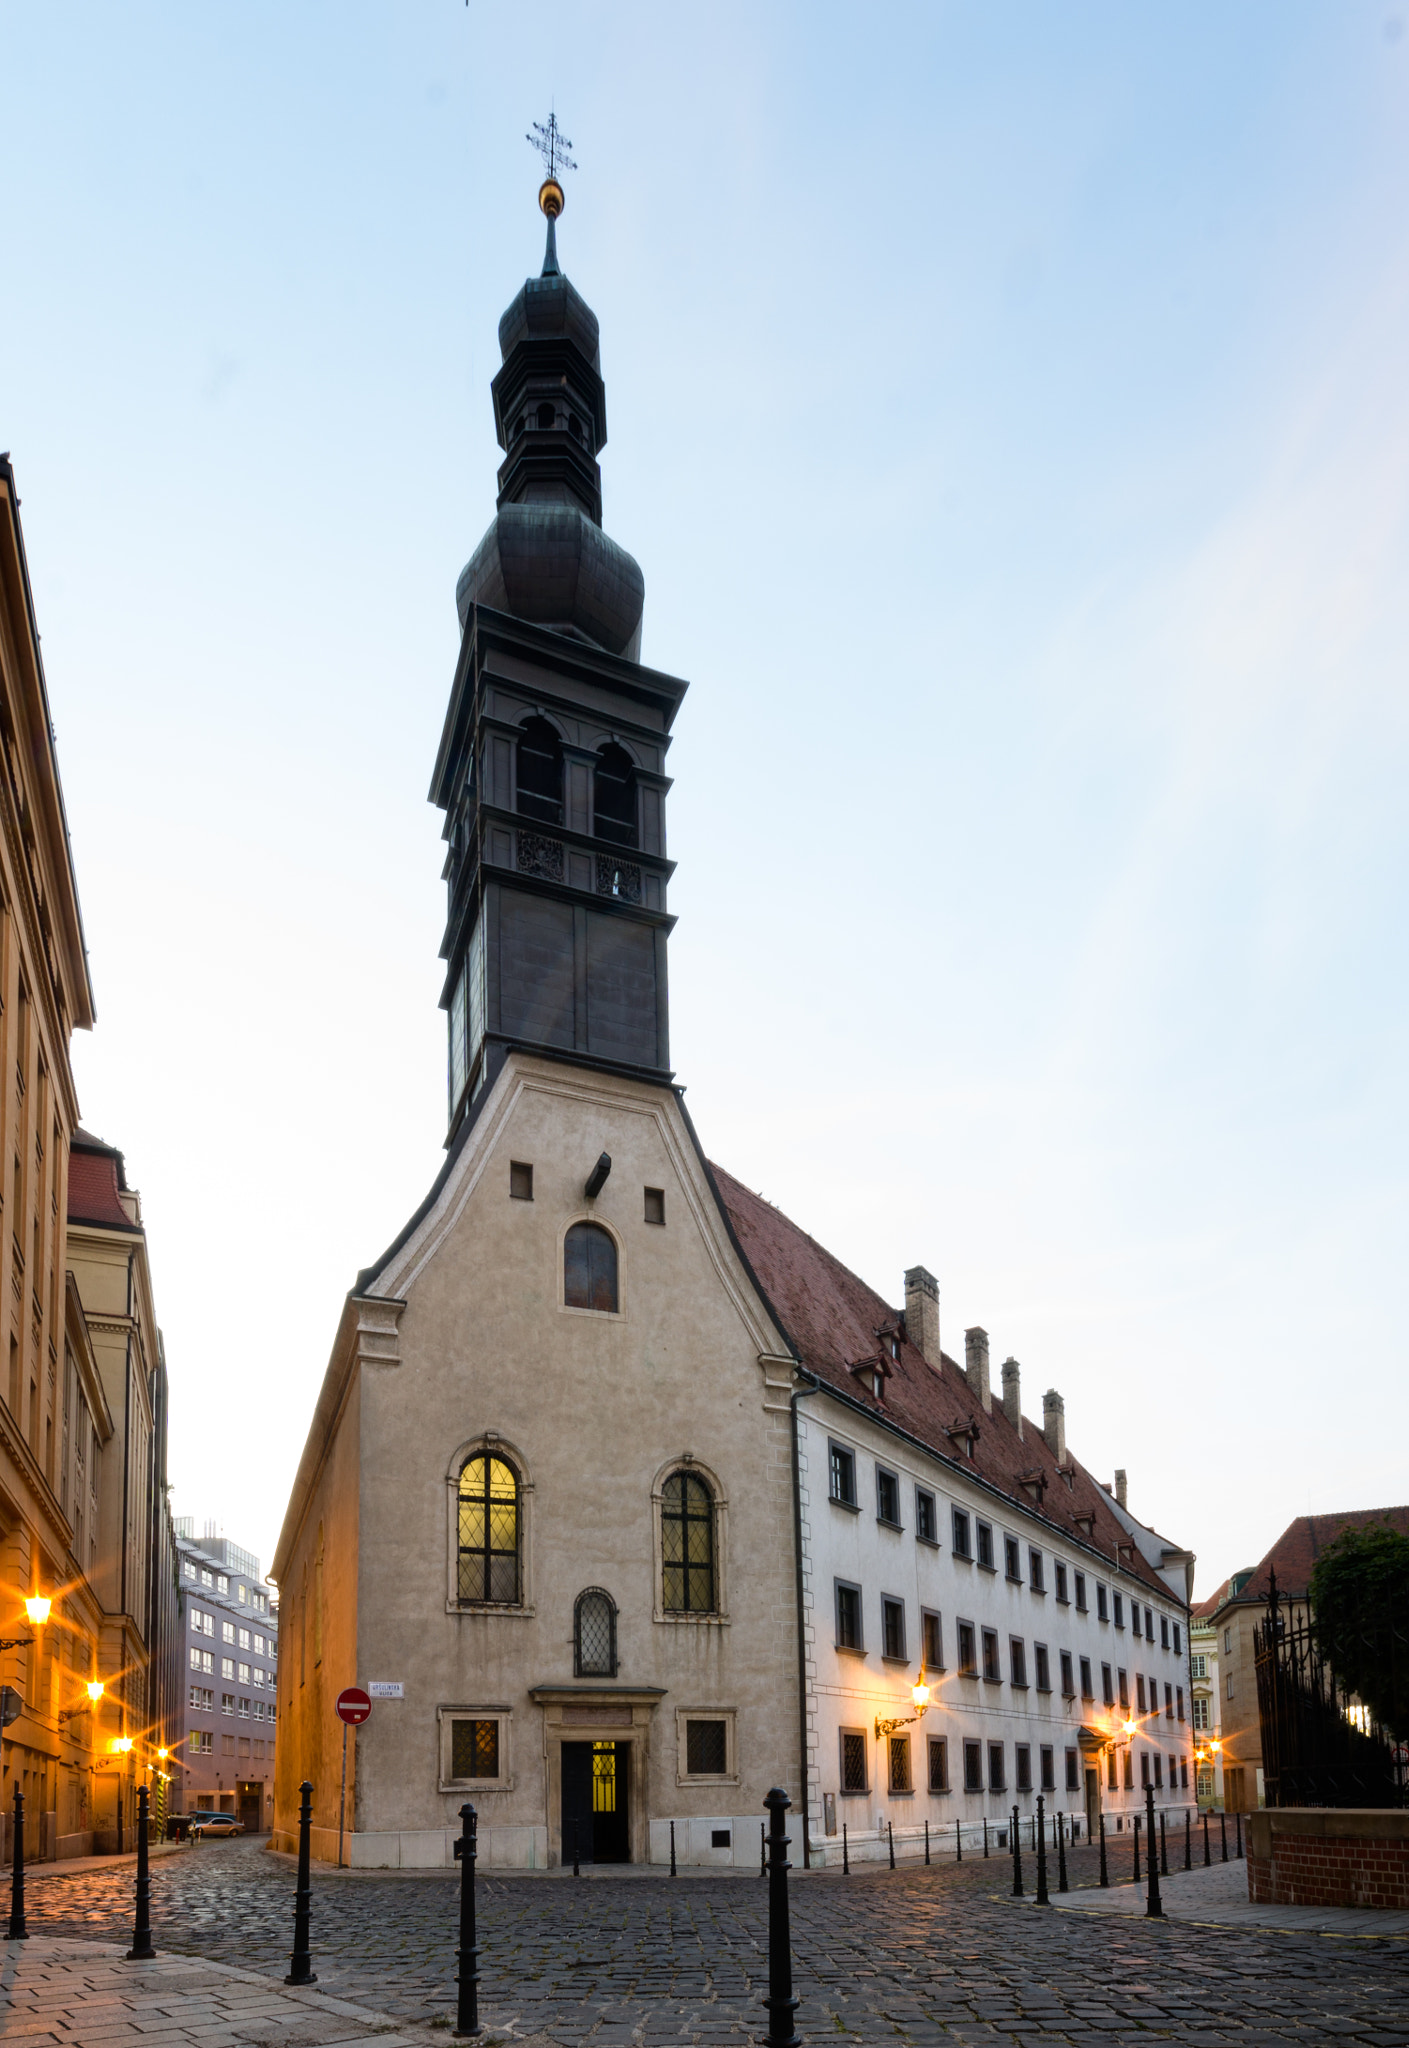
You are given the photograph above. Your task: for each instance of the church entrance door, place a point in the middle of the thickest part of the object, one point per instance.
(596, 1819)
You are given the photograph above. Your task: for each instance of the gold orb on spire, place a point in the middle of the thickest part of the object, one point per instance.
(550, 198)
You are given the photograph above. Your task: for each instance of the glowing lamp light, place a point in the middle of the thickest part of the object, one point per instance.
(121, 1745)
(1132, 1727)
(163, 1754)
(37, 1608)
(920, 1694)
(95, 1690)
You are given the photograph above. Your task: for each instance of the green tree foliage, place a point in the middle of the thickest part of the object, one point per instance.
(1360, 1607)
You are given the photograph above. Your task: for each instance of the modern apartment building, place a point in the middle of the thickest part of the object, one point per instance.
(231, 1630)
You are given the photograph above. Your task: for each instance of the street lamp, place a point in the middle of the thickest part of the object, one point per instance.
(95, 1690)
(121, 1745)
(37, 1607)
(920, 1694)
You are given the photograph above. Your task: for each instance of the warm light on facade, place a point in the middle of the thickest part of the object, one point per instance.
(95, 1690)
(121, 1745)
(920, 1694)
(37, 1608)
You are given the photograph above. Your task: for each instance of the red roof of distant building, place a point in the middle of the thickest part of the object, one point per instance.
(1294, 1554)
(95, 1176)
(835, 1320)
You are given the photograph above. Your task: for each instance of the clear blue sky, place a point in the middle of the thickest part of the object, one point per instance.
(1008, 411)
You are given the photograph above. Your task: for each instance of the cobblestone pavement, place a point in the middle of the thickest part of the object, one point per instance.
(915, 1956)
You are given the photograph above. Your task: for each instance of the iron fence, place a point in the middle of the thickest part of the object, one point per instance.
(1320, 1745)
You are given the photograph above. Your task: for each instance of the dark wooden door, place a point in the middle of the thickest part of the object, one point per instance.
(1093, 1805)
(596, 1808)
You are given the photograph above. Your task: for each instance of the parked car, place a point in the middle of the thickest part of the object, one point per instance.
(213, 1824)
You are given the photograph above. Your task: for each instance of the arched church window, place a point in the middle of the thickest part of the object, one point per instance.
(540, 772)
(614, 800)
(594, 1635)
(545, 415)
(687, 1545)
(489, 1531)
(589, 1268)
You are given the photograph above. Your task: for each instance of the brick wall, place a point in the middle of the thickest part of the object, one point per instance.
(1317, 1857)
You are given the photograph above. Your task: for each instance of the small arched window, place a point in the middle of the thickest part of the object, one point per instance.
(687, 1545)
(545, 415)
(540, 772)
(594, 1635)
(589, 1268)
(489, 1531)
(614, 799)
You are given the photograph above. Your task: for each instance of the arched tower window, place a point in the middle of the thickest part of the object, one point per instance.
(540, 772)
(489, 1531)
(614, 807)
(594, 1635)
(546, 415)
(589, 1268)
(687, 1545)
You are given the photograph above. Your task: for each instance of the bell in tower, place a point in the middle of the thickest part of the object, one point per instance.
(551, 769)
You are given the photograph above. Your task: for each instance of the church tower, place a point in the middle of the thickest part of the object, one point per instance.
(551, 768)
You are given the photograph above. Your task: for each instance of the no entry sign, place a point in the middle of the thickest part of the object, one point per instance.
(353, 1706)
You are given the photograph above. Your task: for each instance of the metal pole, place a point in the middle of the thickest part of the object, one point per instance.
(467, 1976)
(1017, 1859)
(141, 1950)
(959, 1843)
(1105, 1878)
(985, 1834)
(780, 2002)
(1240, 1836)
(1207, 1858)
(300, 1965)
(18, 1930)
(1153, 1909)
(342, 1802)
(845, 1853)
(1188, 1841)
(890, 1840)
(1223, 1831)
(1163, 1850)
(762, 1850)
(672, 1848)
(1137, 1848)
(1062, 1885)
(927, 1840)
(1040, 1826)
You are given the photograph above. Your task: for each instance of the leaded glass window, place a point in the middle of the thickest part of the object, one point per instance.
(474, 1749)
(594, 1635)
(687, 1544)
(589, 1268)
(489, 1531)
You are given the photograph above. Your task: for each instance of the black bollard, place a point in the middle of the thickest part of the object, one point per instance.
(141, 1950)
(1137, 1848)
(890, 1843)
(1153, 1909)
(1207, 1858)
(1223, 1832)
(576, 1838)
(762, 1850)
(780, 2002)
(959, 1843)
(845, 1857)
(1040, 1829)
(927, 1841)
(467, 1955)
(1017, 1859)
(1062, 1885)
(1240, 1836)
(18, 1930)
(1105, 1877)
(672, 1848)
(1188, 1841)
(1163, 1850)
(300, 1966)
(985, 1834)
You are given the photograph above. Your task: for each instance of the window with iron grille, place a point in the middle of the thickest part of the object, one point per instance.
(589, 1268)
(687, 1545)
(706, 1750)
(939, 1763)
(594, 1635)
(899, 1748)
(489, 1532)
(474, 1749)
(973, 1767)
(853, 1760)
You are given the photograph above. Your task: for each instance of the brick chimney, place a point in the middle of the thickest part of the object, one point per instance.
(976, 1366)
(1012, 1393)
(1054, 1424)
(1120, 1486)
(922, 1313)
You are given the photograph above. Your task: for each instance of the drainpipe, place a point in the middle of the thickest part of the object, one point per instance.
(800, 1394)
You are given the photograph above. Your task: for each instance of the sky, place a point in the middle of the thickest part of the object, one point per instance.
(1008, 411)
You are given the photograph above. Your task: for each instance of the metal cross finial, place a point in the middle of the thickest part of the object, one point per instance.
(552, 145)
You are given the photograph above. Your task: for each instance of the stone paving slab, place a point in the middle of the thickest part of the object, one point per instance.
(1218, 1897)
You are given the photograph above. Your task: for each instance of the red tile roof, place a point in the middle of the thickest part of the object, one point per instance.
(834, 1320)
(93, 1187)
(1295, 1552)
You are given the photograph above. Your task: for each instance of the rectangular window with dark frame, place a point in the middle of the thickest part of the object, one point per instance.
(1012, 1559)
(996, 1780)
(1017, 1661)
(1107, 1686)
(1073, 1771)
(973, 1767)
(992, 1669)
(1061, 1576)
(939, 1763)
(520, 1181)
(1079, 1581)
(1179, 1701)
(887, 1497)
(1159, 1772)
(1047, 1758)
(1135, 1617)
(1022, 1765)
(1129, 1768)
(706, 1749)
(1164, 1631)
(1068, 1683)
(899, 1760)
(967, 1667)
(1176, 1639)
(1086, 1692)
(892, 1628)
(1140, 1690)
(1144, 1768)
(1043, 1667)
(1124, 1686)
(1169, 1703)
(848, 1616)
(926, 1517)
(1034, 1570)
(841, 1466)
(853, 1760)
(961, 1534)
(1118, 1603)
(474, 1749)
(1149, 1626)
(985, 1545)
(932, 1641)
(655, 1205)
(1103, 1605)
